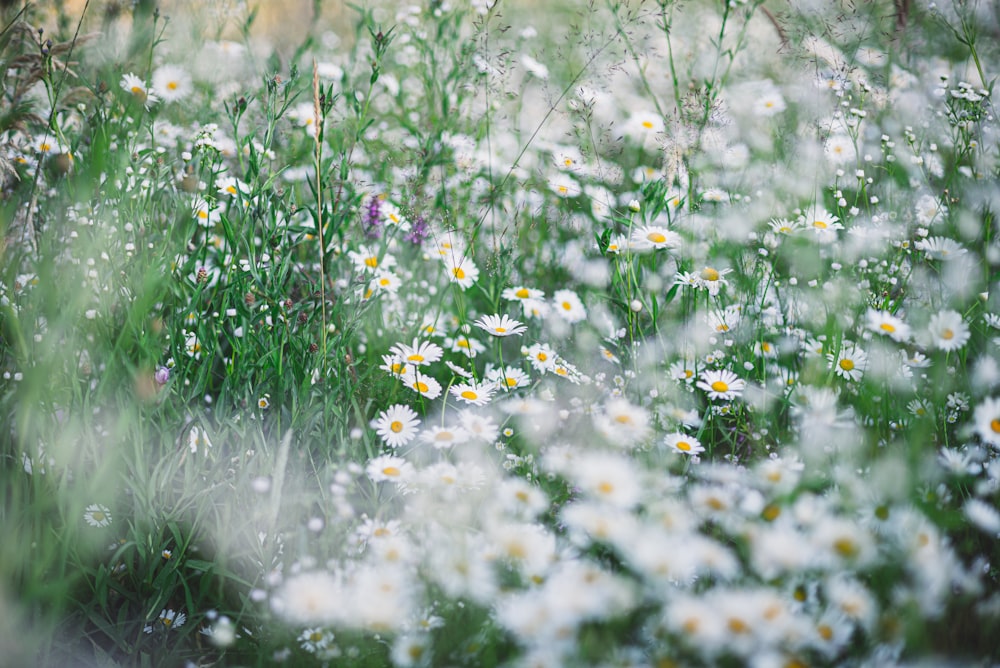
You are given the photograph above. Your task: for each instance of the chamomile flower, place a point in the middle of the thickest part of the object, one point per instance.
(608, 355)
(721, 384)
(462, 270)
(500, 325)
(396, 426)
(682, 443)
(823, 223)
(385, 281)
(97, 515)
(541, 356)
(366, 259)
(769, 102)
(656, 237)
(940, 248)
(987, 421)
(419, 353)
(471, 393)
(168, 619)
(521, 293)
(920, 408)
(314, 640)
(138, 89)
(785, 226)
(850, 363)
(465, 345)
(623, 423)
(397, 366)
(478, 426)
(569, 306)
(839, 148)
(683, 370)
(424, 385)
(171, 83)
(508, 378)
(388, 468)
(948, 331)
(886, 324)
(48, 145)
(444, 437)
(713, 279)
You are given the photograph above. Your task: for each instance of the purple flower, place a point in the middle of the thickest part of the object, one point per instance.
(371, 222)
(418, 231)
(162, 375)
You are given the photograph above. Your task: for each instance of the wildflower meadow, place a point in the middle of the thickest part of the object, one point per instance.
(613, 333)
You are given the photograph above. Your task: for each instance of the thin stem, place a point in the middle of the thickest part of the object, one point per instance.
(318, 162)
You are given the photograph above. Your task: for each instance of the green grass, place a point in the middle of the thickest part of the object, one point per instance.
(217, 273)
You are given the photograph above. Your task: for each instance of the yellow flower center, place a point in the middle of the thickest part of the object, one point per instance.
(771, 513)
(995, 425)
(567, 306)
(98, 516)
(444, 436)
(648, 125)
(709, 274)
(947, 335)
(825, 632)
(421, 386)
(737, 625)
(172, 85)
(315, 636)
(511, 382)
(459, 273)
(623, 419)
(415, 357)
(683, 445)
(371, 262)
(542, 357)
(390, 471)
(845, 547)
(720, 386)
(470, 395)
(846, 364)
(656, 237)
(396, 426)
(605, 488)
(499, 330)
(887, 327)
(820, 224)
(522, 293)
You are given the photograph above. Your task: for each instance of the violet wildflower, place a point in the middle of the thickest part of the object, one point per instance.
(418, 231)
(371, 222)
(162, 375)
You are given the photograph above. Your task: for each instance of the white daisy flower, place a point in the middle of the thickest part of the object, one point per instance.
(396, 426)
